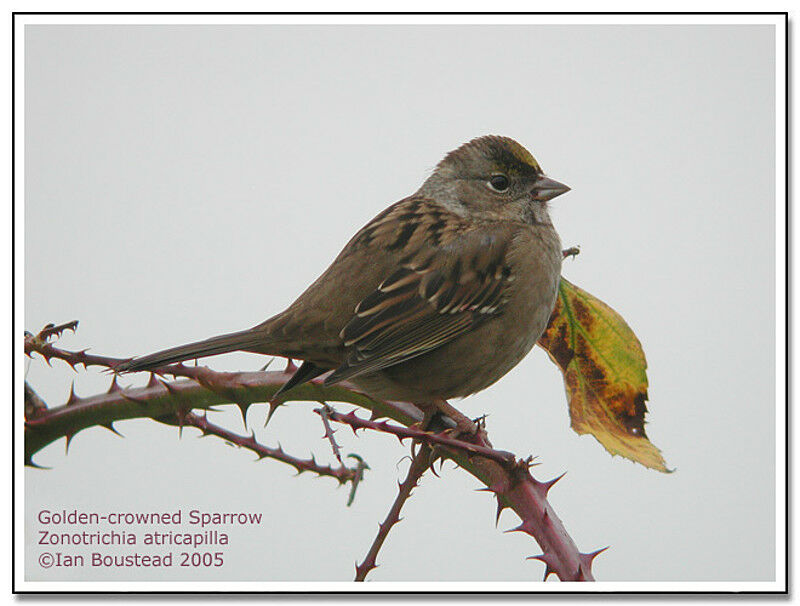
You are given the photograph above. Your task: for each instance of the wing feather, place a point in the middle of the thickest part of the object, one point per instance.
(434, 297)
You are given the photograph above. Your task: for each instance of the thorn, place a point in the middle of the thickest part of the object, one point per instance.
(69, 437)
(500, 508)
(81, 354)
(290, 366)
(273, 406)
(174, 391)
(525, 527)
(243, 406)
(29, 463)
(180, 415)
(496, 488)
(114, 385)
(111, 428)
(432, 457)
(153, 382)
(587, 558)
(549, 484)
(73, 399)
(547, 559)
(267, 365)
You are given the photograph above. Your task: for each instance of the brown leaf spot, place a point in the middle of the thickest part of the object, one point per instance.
(558, 346)
(584, 315)
(633, 417)
(590, 368)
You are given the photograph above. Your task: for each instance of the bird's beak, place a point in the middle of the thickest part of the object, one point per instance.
(545, 188)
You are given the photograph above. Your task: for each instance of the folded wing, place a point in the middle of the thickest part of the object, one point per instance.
(431, 299)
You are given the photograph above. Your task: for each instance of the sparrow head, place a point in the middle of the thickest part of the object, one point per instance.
(495, 177)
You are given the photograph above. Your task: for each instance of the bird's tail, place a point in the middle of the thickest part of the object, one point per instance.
(245, 340)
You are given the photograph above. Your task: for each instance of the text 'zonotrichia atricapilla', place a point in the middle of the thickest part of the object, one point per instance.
(437, 297)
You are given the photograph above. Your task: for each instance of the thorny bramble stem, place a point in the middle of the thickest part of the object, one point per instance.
(343, 474)
(323, 413)
(403, 433)
(419, 464)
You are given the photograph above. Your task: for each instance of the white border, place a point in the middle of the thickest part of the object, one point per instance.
(780, 328)
(388, 19)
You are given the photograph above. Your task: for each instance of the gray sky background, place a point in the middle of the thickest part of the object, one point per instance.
(187, 181)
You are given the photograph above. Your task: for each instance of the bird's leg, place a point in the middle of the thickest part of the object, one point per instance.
(441, 417)
(428, 415)
(463, 423)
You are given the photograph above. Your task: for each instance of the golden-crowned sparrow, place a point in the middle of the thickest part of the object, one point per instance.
(437, 297)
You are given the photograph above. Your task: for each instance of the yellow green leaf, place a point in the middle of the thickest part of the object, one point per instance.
(604, 374)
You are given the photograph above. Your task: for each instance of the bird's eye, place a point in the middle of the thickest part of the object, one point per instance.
(499, 183)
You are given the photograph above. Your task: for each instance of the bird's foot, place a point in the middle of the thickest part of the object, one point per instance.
(464, 425)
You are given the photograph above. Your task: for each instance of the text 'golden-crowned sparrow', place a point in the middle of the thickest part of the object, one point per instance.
(437, 297)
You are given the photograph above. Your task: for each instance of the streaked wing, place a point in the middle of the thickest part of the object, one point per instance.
(438, 294)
